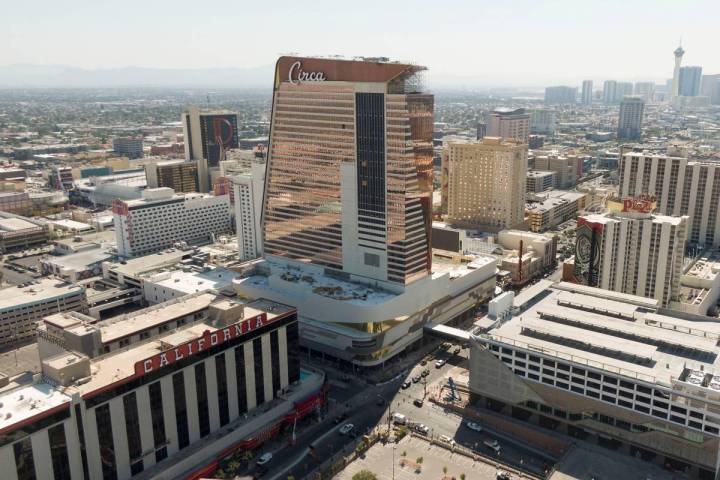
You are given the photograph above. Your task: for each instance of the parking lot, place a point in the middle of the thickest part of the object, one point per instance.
(382, 459)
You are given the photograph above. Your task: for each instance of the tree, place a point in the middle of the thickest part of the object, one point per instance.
(365, 475)
(444, 470)
(462, 476)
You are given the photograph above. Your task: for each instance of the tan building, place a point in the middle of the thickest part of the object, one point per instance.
(509, 123)
(567, 168)
(179, 175)
(486, 183)
(554, 207)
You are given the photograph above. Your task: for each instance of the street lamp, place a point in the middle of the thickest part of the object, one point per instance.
(393, 462)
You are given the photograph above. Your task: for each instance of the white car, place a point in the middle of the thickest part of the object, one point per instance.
(420, 428)
(439, 363)
(473, 426)
(446, 439)
(347, 428)
(264, 458)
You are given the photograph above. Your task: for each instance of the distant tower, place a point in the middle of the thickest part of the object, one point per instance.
(587, 92)
(679, 52)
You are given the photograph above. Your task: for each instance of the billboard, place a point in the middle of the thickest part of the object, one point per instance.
(219, 133)
(588, 241)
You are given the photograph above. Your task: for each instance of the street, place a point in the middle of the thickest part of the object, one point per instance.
(367, 407)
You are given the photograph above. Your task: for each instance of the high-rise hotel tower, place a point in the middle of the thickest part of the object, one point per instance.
(349, 180)
(347, 212)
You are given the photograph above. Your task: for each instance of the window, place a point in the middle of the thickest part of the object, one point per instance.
(625, 403)
(221, 376)
(24, 461)
(158, 421)
(105, 441)
(372, 259)
(132, 428)
(181, 419)
(202, 399)
(259, 377)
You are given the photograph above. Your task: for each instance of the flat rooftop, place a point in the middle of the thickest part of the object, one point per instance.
(47, 289)
(193, 281)
(135, 266)
(554, 198)
(705, 268)
(28, 401)
(120, 364)
(128, 324)
(610, 331)
(80, 260)
(15, 224)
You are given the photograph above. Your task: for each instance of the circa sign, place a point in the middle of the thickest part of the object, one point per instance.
(296, 75)
(208, 340)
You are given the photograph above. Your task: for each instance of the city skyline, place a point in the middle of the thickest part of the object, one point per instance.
(197, 37)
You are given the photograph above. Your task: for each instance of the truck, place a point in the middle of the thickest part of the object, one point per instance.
(399, 419)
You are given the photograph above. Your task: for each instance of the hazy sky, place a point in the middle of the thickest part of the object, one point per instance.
(527, 42)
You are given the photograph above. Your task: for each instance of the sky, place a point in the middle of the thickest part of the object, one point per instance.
(513, 42)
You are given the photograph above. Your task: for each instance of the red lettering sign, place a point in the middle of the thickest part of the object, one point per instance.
(209, 339)
(640, 204)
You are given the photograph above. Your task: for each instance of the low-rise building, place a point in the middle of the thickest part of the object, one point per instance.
(18, 233)
(539, 181)
(700, 285)
(551, 208)
(22, 307)
(606, 367)
(165, 285)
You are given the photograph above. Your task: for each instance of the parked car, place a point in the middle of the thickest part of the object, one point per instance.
(425, 372)
(457, 350)
(473, 426)
(502, 475)
(423, 363)
(439, 363)
(346, 429)
(416, 379)
(422, 429)
(418, 402)
(493, 445)
(264, 458)
(405, 385)
(446, 439)
(340, 418)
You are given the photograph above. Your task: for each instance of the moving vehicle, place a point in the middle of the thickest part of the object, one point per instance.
(399, 419)
(418, 402)
(493, 445)
(439, 363)
(347, 428)
(473, 426)
(264, 458)
(340, 418)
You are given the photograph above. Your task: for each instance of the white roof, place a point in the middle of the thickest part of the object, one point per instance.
(26, 402)
(14, 297)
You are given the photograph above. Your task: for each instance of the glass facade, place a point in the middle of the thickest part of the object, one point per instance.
(259, 377)
(158, 421)
(374, 121)
(24, 461)
(313, 132)
(181, 416)
(202, 399)
(221, 375)
(59, 453)
(105, 439)
(240, 377)
(132, 429)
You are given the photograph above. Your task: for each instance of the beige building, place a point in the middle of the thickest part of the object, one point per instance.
(680, 187)
(509, 123)
(554, 207)
(486, 183)
(567, 168)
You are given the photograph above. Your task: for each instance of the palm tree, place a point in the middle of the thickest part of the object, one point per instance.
(364, 475)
